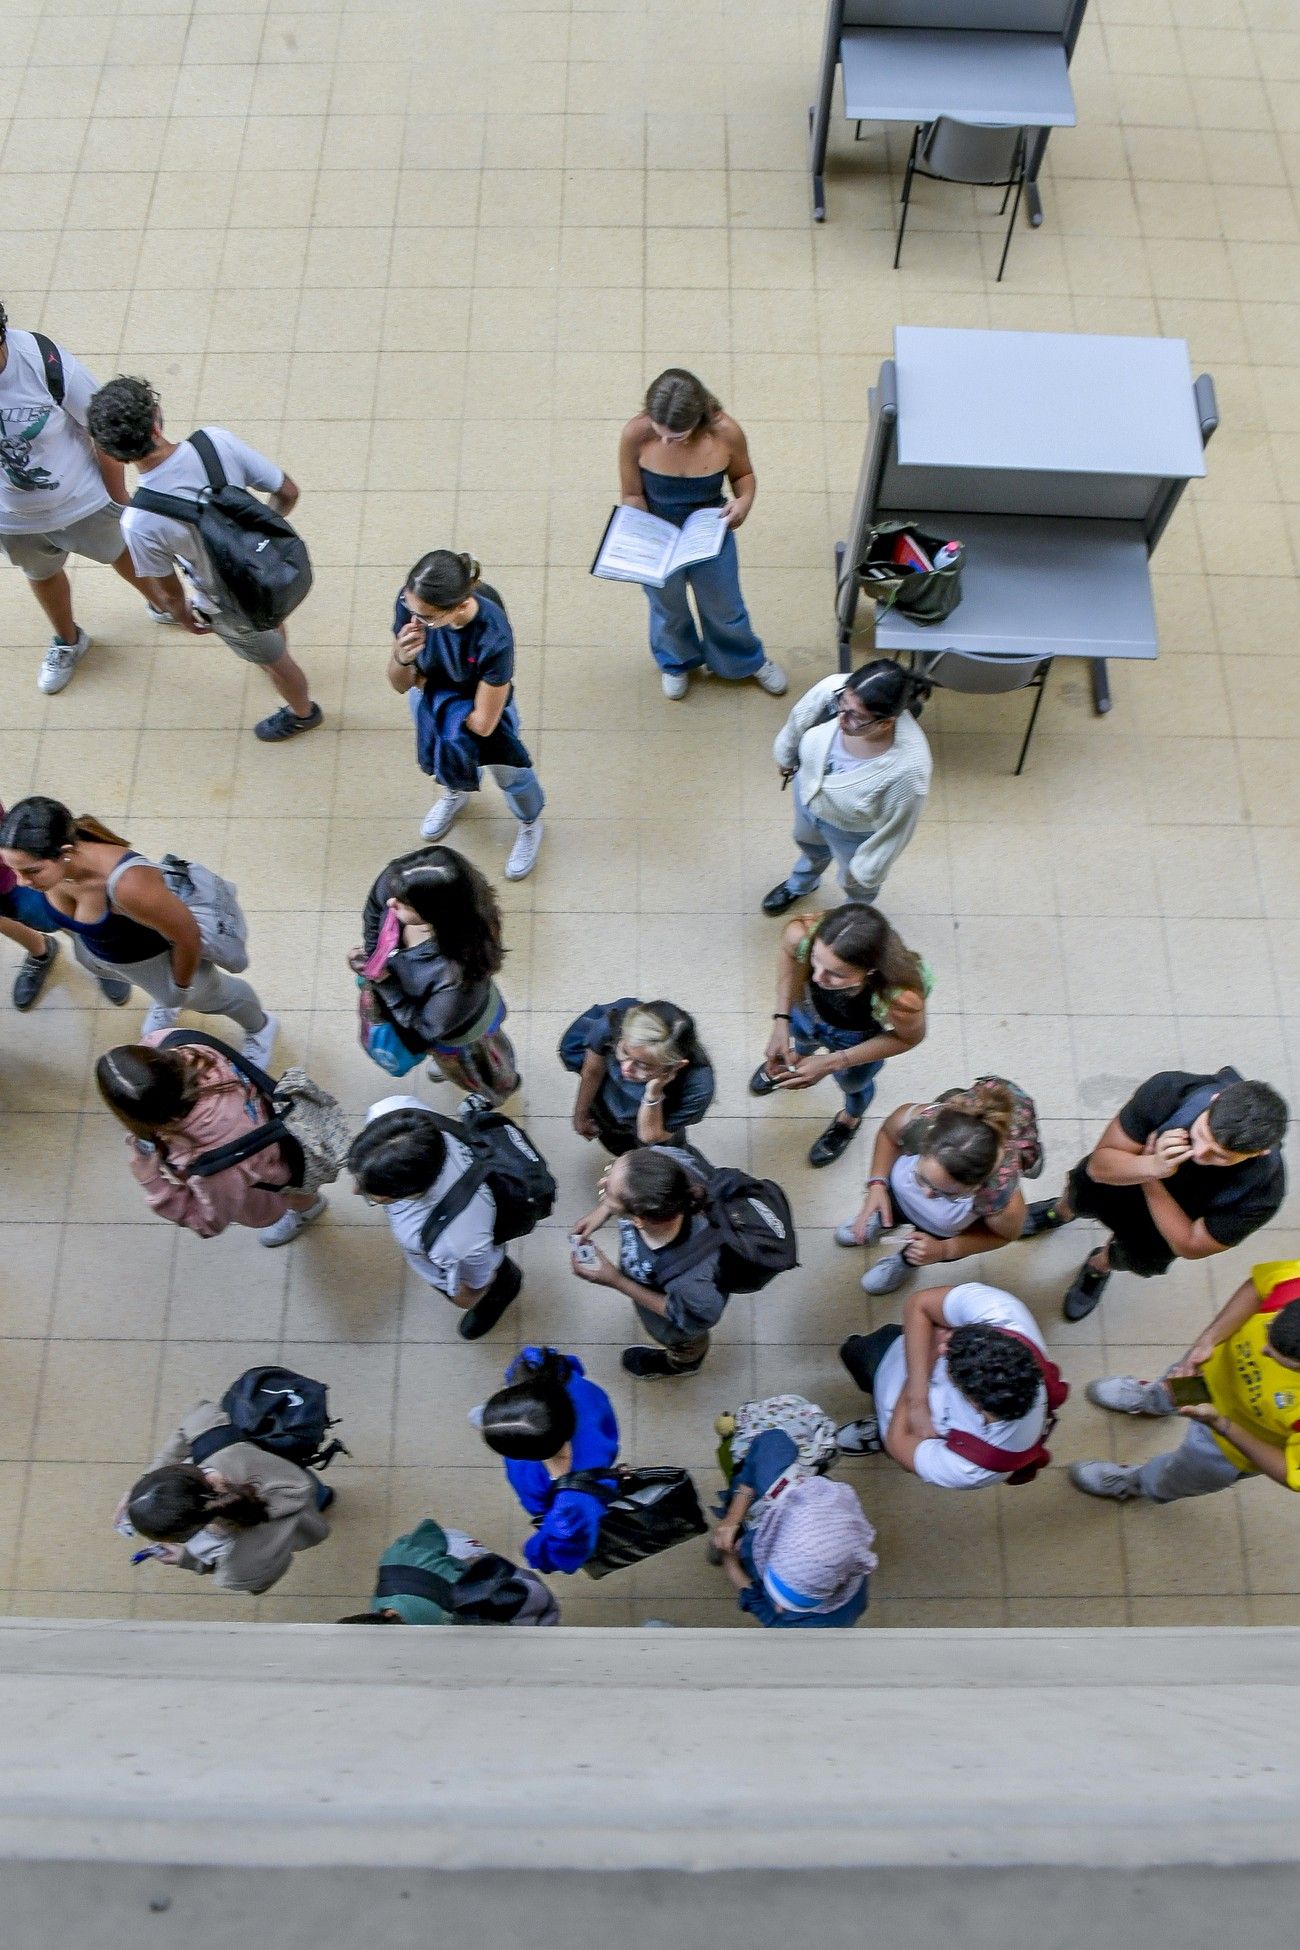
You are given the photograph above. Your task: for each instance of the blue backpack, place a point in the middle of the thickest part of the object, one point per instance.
(286, 1414)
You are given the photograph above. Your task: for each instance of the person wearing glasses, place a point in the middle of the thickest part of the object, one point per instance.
(859, 768)
(643, 1077)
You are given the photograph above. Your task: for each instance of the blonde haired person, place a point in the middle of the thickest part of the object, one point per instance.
(643, 1077)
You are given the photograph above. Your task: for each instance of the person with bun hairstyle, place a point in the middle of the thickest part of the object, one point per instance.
(124, 920)
(549, 1422)
(438, 985)
(178, 1104)
(848, 987)
(453, 657)
(673, 459)
(858, 765)
(952, 1170)
(643, 1077)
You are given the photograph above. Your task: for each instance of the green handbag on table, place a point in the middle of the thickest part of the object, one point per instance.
(893, 572)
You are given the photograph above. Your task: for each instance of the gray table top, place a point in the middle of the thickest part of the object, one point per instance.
(913, 74)
(1038, 587)
(1055, 402)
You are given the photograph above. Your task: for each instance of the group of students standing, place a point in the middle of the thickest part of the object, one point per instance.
(963, 1392)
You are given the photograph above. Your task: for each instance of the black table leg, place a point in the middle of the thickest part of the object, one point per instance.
(1101, 699)
(818, 180)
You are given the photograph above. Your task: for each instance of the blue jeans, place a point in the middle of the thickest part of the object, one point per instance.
(858, 1082)
(724, 640)
(519, 783)
(818, 844)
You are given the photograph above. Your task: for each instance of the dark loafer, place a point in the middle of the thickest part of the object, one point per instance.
(761, 1084)
(33, 973)
(832, 1144)
(503, 1291)
(779, 899)
(1084, 1294)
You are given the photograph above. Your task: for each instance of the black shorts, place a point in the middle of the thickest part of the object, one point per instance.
(1137, 1244)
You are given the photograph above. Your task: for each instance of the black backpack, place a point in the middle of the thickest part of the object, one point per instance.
(52, 365)
(487, 1591)
(646, 1511)
(504, 1160)
(749, 1225)
(286, 1414)
(260, 562)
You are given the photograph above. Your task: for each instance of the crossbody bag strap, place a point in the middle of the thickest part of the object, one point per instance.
(593, 1482)
(1003, 1462)
(52, 366)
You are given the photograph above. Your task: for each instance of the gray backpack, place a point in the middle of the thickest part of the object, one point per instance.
(213, 901)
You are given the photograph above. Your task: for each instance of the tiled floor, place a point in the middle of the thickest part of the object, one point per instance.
(429, 255)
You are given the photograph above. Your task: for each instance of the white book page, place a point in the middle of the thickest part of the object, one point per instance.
(700, 538)
(637, 547)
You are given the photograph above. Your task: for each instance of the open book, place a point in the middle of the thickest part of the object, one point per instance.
(637, 547)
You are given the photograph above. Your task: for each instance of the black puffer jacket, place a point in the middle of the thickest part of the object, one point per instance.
(425, 994)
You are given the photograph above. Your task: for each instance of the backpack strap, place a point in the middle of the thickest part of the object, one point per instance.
(52, 363)
(604, 1484)
(486, 1581)
(199, 1039)
(212, 1441)
(175, 506)
(263, 1137)
(207, 453)
(129, 859)
(457, 1197)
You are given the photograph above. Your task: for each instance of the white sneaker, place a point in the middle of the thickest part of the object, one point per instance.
(159, 1019)
(160, 615)
(676, 683)
(887, 1275)
(441, 815)
(523, 854)
(772, 679)
(257, 1048)
(1124, 1394)
(286, 1229)
(59, 662)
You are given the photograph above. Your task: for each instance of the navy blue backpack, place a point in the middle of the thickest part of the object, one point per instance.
(286, 1414)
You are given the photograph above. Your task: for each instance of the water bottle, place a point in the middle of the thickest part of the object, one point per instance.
(947, 555)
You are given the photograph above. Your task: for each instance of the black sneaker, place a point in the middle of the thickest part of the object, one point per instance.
(481, 1319)
(1042, 1216)
(33, 974)
(285, 723)
(779, 899)
(832, 1144)
(761, 1084)
(1084, 1294)
(114, 990)
(652, 1363)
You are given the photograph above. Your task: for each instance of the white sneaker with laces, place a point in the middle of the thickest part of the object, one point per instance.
(287, 1228)
(1124, 1394)
(887, 1275)
(160, 615)
(59, 662)
(257, 1047)
(772, 679)
(523, 854)
(1117, 1481)
(441, 815)
(860, 1438)
(159, 1019)
(675, 684)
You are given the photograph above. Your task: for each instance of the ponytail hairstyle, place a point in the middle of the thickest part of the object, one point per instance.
(886, 690)
(665, 1030)
(444, 579)
(861, 936)
(457, 902)
(680, 402)
(170, 1504)
(148, 1089)
(532, 1418)
(44, 827)
(966, 1132)
(656, 1187)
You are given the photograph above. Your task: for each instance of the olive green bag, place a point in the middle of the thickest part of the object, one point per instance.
(922, 595)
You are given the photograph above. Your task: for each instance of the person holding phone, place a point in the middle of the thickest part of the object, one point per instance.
(643, 1077)
(1244, 1414)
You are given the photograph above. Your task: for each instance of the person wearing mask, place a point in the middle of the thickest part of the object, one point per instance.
(60, 493)
(1189, 1166)
(124, 920)
(642, 1076)
(951, 1171)
(439, 917)
(796, 1548)
(435, 1575)
(177, 1105)
(656, 1193)
(402, 1162)
(126, 420)
(1248, 1422)
(453, 658)
(858, 765)
(960, 1389)
(849, 995)
(239, 1521)
(673, 459)
(549, 1423)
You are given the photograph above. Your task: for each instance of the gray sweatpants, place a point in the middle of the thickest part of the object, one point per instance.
(212, 992)
(1197, 1468)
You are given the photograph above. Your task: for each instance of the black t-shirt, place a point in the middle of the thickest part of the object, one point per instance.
(1233, 1200)
(483, 652)
(846, 1008)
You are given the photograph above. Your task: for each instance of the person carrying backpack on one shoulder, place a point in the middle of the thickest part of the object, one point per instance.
(435, 1575)
(60, 493)
(126, 420)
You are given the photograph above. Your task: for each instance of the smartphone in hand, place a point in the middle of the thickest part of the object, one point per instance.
(1188, 1389)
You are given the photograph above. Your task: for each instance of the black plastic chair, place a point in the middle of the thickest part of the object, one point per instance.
(949, 151)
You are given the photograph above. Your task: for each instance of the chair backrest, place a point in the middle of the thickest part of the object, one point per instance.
(969, 152)
(980, 676)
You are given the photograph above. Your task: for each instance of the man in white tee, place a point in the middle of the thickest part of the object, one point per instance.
(126, 421)
(60, 495)
(405, 1162)
(960, 1375)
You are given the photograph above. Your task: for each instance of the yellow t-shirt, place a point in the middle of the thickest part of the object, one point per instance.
(1249, 1385)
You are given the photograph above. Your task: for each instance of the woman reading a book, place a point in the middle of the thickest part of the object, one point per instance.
(673, 459)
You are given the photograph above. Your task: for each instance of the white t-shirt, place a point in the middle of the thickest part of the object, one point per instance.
(157, 543)
(49, 477)
(465, 1254)
(965, 1306)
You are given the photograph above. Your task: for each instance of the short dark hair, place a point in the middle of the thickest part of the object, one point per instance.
(993, 1370)
(121, 417)
(397, 1155)
(1284, 1331)
(655, 1186)
(1248, 1118)
(4, 324)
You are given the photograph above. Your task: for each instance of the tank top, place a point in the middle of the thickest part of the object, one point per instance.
(675, 497)
(114, 937)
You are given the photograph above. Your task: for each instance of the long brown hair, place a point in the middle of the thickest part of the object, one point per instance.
(966, 1131)
(154, 1090)
(681, 402)
(861, 936)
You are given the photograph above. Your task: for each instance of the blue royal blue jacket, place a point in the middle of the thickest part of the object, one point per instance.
(570, 1519)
